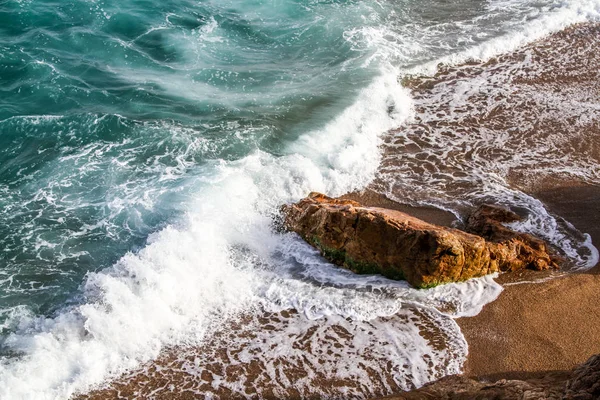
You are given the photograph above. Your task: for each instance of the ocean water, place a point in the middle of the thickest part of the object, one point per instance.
(146, 146)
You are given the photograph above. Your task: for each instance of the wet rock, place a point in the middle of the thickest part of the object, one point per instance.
(582, 383)
(513, 250)
(373, 240)
(585, 381)
(462, 388)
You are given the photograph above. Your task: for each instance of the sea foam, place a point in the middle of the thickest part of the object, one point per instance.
(223, 259)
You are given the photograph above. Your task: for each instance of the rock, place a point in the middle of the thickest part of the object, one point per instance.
(373, 240)
(462, 388)
(513, 250)
(585, 381)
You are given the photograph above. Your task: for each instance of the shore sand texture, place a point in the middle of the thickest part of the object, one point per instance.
(551, 324)
(546, 326)
(555, 324)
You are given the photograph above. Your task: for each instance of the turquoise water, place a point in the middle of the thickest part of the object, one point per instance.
(109, 108)
(123, 121)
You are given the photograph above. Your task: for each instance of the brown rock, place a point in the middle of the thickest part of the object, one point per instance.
(398, 246)
(513, 250)
(583, 383)
(458, 387)
(394, 244)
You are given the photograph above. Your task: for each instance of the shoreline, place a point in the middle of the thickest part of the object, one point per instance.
(530, 329)
(542, 324)
(535, 337)
(547, 326)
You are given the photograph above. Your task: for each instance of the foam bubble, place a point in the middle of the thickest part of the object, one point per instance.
(553, 18)
(485, 129)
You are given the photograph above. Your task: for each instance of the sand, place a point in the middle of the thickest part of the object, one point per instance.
(546, 326)
(545, 98)
(532, 328)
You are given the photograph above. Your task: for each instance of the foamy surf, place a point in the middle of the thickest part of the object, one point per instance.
(224, 258)
(221, 263)
(554, 16)
(496, 122)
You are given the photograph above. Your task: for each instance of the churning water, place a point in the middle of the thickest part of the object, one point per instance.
(146, 145)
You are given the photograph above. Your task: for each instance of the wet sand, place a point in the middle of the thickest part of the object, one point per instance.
(533, 115)
(532, 328)
(550, 94)
(546, 326)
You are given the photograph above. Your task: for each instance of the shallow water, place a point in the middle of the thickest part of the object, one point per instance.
(145, 147)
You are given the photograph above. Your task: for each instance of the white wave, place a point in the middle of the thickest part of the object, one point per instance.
(189, 278)
(553, 19)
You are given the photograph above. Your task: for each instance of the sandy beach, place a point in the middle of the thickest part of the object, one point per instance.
(541, 322)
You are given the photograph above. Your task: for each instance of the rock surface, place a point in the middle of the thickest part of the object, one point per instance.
(583, 383)
(515, 250)
(461, 388)
(398, 246)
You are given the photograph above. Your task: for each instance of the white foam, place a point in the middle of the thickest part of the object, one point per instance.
(456, 168)
(190, 277)
(542, 224)
(560, 16)
(362, 358)
(594, 258)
